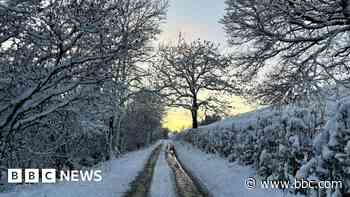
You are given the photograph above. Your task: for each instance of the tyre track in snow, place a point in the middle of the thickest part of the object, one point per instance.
(140, 187)
(186, 184)
(163, 182)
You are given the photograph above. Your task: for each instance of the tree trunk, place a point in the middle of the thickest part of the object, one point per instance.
(110, 139)
(194, 119)
(194, 112)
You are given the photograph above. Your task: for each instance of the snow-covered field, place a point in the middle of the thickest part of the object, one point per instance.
(117, 175)
(221, 178)
(162, 182)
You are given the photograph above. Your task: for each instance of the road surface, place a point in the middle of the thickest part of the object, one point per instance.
(164, 176)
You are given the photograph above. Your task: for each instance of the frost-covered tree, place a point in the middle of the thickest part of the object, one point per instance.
(285, 85)
(186, 70)
(144, 119)
(137, 24)
(62, 65)
(307, 42)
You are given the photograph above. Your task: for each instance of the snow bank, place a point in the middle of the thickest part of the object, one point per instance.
(285, 142)
(117, 175)
(221, 178)
(162, 182)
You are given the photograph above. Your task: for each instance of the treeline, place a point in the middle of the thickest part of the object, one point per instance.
(71, 84)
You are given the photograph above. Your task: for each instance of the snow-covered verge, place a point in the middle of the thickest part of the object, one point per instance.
(285, 143)
(220, 177)
(117, 175)
(162, 182)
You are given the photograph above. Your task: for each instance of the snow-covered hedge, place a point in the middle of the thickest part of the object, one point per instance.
(331, 159)
(285, 143)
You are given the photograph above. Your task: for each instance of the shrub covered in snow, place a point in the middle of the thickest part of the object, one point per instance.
(332, 152)
(275, 141)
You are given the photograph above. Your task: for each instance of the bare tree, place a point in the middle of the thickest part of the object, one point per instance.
(306, 37)
(284, 85)
(186, 70)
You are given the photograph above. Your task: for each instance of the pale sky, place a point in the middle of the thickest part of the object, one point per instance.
(195, 19)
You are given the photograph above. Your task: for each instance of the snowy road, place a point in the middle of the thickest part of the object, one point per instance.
(168, 178)
(162, 182)
(188, 173)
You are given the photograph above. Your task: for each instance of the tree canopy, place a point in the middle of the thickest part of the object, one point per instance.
(186, 70)
(310, 38)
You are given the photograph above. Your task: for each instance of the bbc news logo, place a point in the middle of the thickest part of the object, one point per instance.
(50, 176)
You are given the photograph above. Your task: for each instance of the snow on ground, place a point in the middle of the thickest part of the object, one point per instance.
(221, 178)
(117, 175)
(162, 182)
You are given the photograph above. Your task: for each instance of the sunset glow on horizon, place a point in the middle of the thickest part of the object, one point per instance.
(177, 119)
(201, 24)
